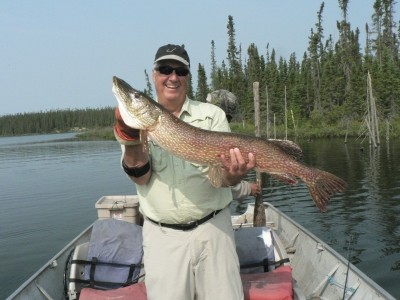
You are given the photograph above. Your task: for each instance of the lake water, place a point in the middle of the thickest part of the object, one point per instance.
(49, 185)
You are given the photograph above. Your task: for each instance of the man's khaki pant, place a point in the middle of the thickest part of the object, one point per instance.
(200, 264)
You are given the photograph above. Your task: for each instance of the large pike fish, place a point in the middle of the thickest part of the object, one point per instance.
(281, 159)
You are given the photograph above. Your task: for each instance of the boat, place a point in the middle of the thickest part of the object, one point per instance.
(317, 271)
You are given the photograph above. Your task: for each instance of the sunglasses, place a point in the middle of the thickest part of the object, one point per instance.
(167, 70)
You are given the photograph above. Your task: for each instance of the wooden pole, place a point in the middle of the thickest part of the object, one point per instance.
(347, 131)
(259, 219)
(372, 114)
(387, 130)
(285, 115)
(375, 115)
(256, 109)
(294, 124)
(266, 91)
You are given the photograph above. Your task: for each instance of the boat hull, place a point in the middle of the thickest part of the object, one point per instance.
(318, 270)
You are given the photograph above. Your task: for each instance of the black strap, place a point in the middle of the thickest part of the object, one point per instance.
(89, 262)
(92, 269)
(265, 263)
(136, 171)
(106, 284)
(187, 226)
(95, 262)
(130, 275)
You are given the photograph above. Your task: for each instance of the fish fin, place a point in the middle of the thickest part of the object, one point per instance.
(215, 175)
(323, 187)
(289, 147)
(285, 178)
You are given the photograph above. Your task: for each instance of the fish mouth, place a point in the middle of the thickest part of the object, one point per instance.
(119, 84)
(136, 109)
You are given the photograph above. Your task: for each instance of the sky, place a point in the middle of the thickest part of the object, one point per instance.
(63, 54)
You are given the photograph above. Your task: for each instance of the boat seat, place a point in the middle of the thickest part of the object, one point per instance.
(254, 245)
(111, 259)
(135, 291)
(274, 285)
(261, 258)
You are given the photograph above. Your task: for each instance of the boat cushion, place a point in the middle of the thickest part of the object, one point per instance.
(136, 291)
(255, 245)
(275, 285)
(114, 242)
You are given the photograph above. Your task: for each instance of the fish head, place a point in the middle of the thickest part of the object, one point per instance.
(137, 109)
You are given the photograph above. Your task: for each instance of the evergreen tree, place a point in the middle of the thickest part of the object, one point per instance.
(236, 83)
(306, 87)
(202, 87)
(315, 49)
(190, 93)
(149, 89)
(214, 69)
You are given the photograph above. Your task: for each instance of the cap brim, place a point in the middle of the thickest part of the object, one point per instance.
(173, 57)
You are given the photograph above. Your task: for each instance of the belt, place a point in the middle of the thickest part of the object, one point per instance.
(188, 226)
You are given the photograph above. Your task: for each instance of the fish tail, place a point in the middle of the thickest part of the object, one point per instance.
(323, 186)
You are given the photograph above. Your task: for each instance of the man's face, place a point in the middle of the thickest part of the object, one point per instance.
(170, 87)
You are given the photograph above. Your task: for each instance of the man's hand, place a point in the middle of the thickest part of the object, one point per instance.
(236, 168)
(123, 133)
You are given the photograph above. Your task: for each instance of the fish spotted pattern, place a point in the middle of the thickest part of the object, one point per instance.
(281, 159)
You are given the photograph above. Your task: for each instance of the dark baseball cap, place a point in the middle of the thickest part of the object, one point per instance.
(173, 52)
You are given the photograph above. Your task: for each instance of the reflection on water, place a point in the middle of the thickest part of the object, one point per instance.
(48, 189)
(49, 185)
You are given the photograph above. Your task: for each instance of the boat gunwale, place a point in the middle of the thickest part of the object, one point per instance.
(328, 248)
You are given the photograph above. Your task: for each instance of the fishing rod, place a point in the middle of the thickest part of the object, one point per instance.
(348, 266)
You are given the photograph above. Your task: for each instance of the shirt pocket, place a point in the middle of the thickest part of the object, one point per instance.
(159, 158)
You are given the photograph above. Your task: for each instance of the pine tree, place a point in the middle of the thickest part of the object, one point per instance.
(315, 49)
(214, 68)
(202, 87)
(149, 89)
(236, 83)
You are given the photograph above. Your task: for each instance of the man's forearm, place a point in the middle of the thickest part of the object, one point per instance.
(135, 158)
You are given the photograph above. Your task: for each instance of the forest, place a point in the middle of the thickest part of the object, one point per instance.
(324, 87)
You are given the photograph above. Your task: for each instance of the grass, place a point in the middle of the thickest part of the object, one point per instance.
(105, 133)
(306, 130)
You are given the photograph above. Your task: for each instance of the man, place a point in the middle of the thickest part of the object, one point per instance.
(189, 248)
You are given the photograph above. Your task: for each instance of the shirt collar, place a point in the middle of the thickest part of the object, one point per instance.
(186, 107)
(191, 110)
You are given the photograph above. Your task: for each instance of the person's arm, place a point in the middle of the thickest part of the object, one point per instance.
(135, 161)
(241, 190)
(244, 189)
